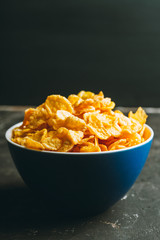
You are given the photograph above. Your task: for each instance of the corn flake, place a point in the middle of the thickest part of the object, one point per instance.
(57, 102)
(84, 122)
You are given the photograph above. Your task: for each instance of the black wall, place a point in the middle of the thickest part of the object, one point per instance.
(64, 46)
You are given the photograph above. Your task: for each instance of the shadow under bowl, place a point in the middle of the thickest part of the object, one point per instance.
(80, 183)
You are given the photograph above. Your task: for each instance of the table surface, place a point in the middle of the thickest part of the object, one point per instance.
(136, 216)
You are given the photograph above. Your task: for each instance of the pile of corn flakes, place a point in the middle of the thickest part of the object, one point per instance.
(84, 122)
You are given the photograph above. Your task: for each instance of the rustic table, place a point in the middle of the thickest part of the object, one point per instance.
(136, 216)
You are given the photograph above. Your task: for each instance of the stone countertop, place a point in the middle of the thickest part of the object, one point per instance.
(135, 217)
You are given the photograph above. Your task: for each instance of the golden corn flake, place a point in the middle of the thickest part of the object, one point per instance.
(31, 143)
(75, 123)
(58, 120)
(90, 148)
(57, 102)
(52, 143)
(36, 118)
(70, 135)
(85, 95)
(84, 122)
(140, 115)
(103, 126)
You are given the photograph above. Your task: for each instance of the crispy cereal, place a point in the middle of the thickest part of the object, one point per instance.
(84, 122)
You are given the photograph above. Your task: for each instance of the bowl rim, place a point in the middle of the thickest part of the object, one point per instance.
(9, 131)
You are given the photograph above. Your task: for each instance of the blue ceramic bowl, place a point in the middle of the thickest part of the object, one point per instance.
(80, 183)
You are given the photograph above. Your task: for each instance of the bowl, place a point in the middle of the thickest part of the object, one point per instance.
(80, 183)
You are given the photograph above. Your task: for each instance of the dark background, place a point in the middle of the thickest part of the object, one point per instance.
(61, 47)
